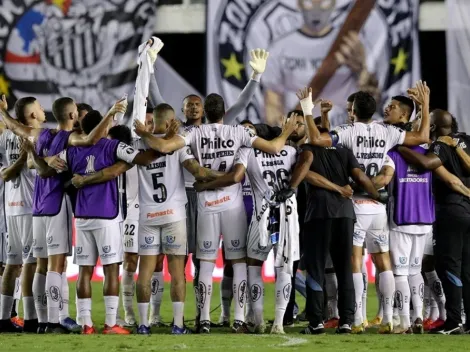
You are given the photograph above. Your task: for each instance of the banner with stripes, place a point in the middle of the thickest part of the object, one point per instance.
(84, 49)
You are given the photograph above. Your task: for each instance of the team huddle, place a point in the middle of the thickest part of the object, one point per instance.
(152, 187)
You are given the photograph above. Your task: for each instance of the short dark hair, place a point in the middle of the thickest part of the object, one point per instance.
(90, 121)
(364, 106)
(59, 108)
(246, 121)
(149, 109)
(298, 112)
(121, 133)
(161, 111)
(351, 98)
(214, 107)
(20, 107)
(267, 132)
(405, 103)
(84, 107)
(191, 96)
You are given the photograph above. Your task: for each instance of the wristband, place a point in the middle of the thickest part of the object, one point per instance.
(256, 76)
(307, 106)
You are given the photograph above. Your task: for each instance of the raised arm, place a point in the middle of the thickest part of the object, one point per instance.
(161, 145)
(452, 181)
(101, 176)
(233, 177)
(258, 61)
(420, 95)
(17, 128)
(325, 108)
(428, 162)
(275, 146)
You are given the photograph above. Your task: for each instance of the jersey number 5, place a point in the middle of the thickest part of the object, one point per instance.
(160, 190)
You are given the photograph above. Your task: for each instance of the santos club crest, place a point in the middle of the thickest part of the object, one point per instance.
(85, 49)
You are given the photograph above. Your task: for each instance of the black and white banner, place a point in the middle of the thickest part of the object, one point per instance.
(84, 49)
(234, 27)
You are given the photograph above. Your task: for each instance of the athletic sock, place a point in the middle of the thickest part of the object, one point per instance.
(364, 293)
(6, 304)
(331, 286)
(178, 312)
(434, 315)
(426, 302)
(157, 294)
(226, 295)
(358, 289)
(256, 292)
(29, 311)
(387, 287)
(402, 295)
(111, 304)
(54, 296)
(380, 312)
(40, 297)
(435, 285)
(143, 309)
(416, 282)
(205, 289)
(283, 291)
(127, 291)
(239, 290)
(64, 308)
(84, 311)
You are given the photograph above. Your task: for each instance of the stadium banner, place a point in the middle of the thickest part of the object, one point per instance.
(234, 27)
(458, 66)
(268, 268)
(84, 49)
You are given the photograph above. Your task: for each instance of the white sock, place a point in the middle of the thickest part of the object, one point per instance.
(427, 301)
(54, 296)
(17, 292)
(239, 290)
(29, 311)
(435, 285)
(256, 292)
(40, 297)
(331, 286)
(434, 315)
(6, 303)
(157, 294)
(387, 287)
(178, 312)
(84, 311)
(358, 289)
(111, 303)
(416, 283)
(380, 312)
(143, 309)
(249, 314)
(205, 289)
(364, 293)
(402, 294)
(64, 308)
(283, 290)
(127, 291)
(78, 318)
(226, 295)
(463, 315)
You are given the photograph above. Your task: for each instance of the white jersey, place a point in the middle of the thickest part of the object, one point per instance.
(19, 191)
(267, 172)
(162, 193)
(369, 144)
(215, 146)
(132, 194)
(3, 220)
(295, 59)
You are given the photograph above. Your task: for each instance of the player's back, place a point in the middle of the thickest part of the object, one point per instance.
(162, 193)
(215, 146)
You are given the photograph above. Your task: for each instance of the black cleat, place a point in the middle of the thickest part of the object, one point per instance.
(239, 327)
(317, 330)
(42, 328)
(204, 327)
(6, 326)
(56, 329)
(344, 329)
(31, 326)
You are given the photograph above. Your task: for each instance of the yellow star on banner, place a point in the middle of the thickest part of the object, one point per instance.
(400, 62)
(232, 67)
(61, 4)
(4, 86)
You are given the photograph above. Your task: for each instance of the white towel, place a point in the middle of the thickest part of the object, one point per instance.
(144, 73)
(263, 219)
(288, 249)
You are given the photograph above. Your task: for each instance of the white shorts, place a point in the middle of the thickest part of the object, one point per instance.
(52, 235)
(130, 236)
(20, 240)
(373, 229)
(429, 245)
(406, 252)
(231, 224)
(105, 242)
(3, 247)
(169, 239)
(254, 250)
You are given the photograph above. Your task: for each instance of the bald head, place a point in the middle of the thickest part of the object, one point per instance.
(442, 123)
(163, 114)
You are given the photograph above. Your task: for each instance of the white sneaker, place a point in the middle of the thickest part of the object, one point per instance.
(130, 321)
(277, 330)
